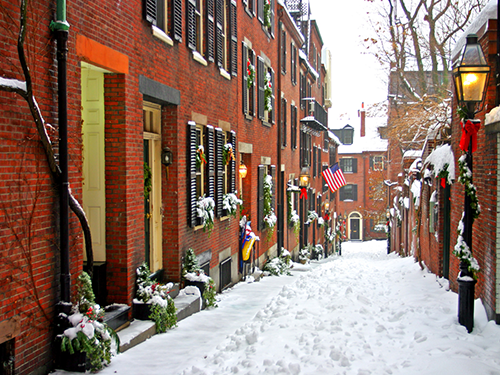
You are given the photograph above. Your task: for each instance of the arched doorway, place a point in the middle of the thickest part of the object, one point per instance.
(355, 227)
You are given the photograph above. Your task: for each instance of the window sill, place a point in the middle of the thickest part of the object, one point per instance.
(198, 227)
(199, 58)
(160, 34)
(248, 117)
(266, 124)
(225, 74)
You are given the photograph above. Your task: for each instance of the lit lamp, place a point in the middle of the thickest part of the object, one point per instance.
(327, 206)
(243, 170)
(167, 157)
(471, 79)
(303, 185)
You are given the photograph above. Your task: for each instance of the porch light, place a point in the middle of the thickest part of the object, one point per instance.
(327, 206)
(242, 170)
(167, 157)
(471, 75)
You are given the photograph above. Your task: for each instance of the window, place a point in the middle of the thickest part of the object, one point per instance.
(249, 80)
(305, 149)
(349, 193)
(283, 122)
(265, 81)
(156, 12)
(201, 174)
(347, 135)
(319, 161)
(315, 161)
(226, 38)
(250, 7)
(293, 120)
(377, 163)
(263, 171)
(303, 92)
(261, 15)
(293, 64)
(195, 26)
(349, 165)
(225, 169)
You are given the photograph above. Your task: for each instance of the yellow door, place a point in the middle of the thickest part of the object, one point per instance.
(94, 195)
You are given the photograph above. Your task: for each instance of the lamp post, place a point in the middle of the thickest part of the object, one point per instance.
(388, 183)
(303, 185)
(471, 78)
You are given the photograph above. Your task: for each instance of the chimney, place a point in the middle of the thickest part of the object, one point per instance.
(361, 114)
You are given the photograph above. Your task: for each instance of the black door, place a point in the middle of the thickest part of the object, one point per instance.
(354, 229)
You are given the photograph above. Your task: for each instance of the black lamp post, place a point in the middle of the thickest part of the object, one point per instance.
(303, 185)
(471, 78)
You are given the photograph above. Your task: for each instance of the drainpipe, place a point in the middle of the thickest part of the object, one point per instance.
(61, 27)
(281, 215)
(497, 98)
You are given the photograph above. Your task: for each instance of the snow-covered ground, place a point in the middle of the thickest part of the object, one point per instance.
(365, 312)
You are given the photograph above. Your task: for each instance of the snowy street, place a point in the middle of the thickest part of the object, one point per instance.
(365, 312)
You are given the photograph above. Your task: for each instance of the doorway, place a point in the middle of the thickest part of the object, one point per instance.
(355, 226)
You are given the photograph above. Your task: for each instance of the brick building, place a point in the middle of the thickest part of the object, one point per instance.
(148, 80)
(362, 158)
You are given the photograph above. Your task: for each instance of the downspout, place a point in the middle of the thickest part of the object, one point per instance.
(61, 27)
(281, 215)
(497, 98)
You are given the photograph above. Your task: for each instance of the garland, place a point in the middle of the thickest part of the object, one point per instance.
(466, 179)
(269, 216)
(462, 251)
(227, 153)
(200, 156)
(147, 180)
(230, 203)
(250, 74)
(205, 210)
(268, 92)
(267, 13)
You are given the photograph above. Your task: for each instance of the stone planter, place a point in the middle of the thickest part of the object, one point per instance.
(199, 284)
(141, 311)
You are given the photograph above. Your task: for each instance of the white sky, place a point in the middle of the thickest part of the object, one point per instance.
(364, 313)
(357, 76)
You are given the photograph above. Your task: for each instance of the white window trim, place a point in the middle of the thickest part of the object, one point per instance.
(199, 58)
(225, 74)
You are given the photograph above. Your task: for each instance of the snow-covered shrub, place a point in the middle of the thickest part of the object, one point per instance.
(317, 252)
(305, 253)
(191, 271)
(88, 334)
(163, 311)
(280, 265)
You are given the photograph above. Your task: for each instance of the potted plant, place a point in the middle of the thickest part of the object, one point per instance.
(205, 210)
(304, 254)
(193, 275)
(88, 343)
(280, 265)
(153, 301)
(230, 203)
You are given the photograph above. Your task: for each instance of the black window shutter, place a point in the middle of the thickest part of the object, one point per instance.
(244, 74)
(210, 30)
(260, 10)
(273, 101)
(296, 199)
(273, 176)
(219, 22)
(233, 162)
(371, 162)
(177, 20)
(210, 154)
(285, 124)
(354, 165)
(314, 161)
(319, 161)
(219, 141)
(234, 37)
(272, 18)
(341, 193)
(260, 94)
(355, 192)
(260, 198)
(191, 24)
(192, 198)
(150, 11)
(341, 164)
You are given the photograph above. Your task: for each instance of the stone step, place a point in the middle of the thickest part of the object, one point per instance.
(140, 330)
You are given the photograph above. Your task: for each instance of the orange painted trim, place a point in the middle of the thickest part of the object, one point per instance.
(98, 54)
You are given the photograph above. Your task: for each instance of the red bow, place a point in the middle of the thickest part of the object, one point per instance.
(469, 134)
(303, 193)
(326, 218)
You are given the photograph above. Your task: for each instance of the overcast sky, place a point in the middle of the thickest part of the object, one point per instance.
(356, 76)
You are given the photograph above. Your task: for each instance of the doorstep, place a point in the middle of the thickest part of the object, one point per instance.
(140, 330)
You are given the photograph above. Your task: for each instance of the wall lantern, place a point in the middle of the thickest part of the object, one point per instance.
(327, 206)
(243, 170)
(471, 75)
(304, 178)
(167, 157)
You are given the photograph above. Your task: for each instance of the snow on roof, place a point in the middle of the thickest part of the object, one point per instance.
(412, 154)
(443, 159)
(489, 12)
(303, 56)
(334, 138)
(370, 142)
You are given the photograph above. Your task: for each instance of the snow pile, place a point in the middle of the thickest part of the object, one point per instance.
(365, 312)
(443, 160)
(493, 116)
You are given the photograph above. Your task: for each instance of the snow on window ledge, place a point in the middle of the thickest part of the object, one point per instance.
(160, 34)
(225, 74)
(199, 58)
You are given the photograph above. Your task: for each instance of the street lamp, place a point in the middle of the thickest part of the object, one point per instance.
(388, 215)
(471, 78)
(304, 178)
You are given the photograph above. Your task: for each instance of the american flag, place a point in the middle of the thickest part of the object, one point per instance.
(334, 177)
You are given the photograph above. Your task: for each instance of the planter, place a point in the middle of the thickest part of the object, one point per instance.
(141, 311)
(199, 284)
(116, 316)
